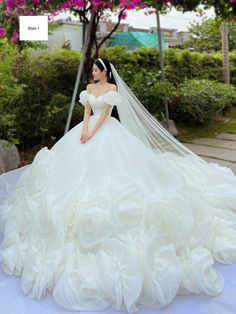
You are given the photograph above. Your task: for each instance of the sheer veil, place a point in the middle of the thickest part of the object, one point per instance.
(137, 119)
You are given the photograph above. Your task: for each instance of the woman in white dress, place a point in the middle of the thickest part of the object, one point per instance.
(115, 214)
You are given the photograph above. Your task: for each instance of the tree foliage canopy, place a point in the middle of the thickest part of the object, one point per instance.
(206, 35)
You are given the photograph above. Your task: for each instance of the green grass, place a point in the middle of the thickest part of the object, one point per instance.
(216, 124)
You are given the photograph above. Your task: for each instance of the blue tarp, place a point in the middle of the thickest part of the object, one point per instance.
(135, 40)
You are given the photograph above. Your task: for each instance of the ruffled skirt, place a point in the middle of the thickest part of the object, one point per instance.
(111, 223)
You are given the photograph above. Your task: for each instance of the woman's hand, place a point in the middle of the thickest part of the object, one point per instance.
(85, 136)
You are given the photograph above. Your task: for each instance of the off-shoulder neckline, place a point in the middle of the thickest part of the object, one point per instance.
(113, 91)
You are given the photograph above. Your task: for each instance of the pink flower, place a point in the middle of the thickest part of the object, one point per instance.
(7, 12)
(131, 5)
(2, 32)
(20, 2)
(66, 5)
(79, 3)
(124, 15)
(9, 4)
(14, 37)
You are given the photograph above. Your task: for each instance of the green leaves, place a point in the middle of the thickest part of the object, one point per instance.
(206, 36)
(10, 91)
(198, 98)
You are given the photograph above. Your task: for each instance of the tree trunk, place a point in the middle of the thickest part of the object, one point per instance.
(88, 63)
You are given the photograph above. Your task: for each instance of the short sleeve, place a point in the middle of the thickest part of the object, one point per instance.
(113, 98)
(83, 97)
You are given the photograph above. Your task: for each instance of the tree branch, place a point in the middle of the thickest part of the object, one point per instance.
(82, 14)
(113, 30)
(95, 37)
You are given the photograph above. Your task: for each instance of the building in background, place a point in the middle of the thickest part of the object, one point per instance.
(68, 34)
(173, 37)
(67, 31)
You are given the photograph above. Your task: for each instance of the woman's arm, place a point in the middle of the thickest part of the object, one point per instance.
(102, 118)
(87, 112)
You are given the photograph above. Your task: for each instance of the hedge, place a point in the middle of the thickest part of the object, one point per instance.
(43, 88)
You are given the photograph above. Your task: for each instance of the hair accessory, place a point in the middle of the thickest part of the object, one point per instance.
(102, 63)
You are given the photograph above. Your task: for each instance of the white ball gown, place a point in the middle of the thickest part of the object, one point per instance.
(111, 223)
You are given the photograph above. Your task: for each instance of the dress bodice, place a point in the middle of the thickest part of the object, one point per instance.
(97, 103)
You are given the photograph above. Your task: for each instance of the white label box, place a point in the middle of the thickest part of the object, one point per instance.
(33, 27)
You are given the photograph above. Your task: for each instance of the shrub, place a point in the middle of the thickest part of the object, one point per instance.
(57, 113)
(195, 99)
(151, 91)
(38, 90)
(10, 91)
(45, 78)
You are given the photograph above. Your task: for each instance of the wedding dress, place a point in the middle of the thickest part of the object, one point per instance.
(111, 223)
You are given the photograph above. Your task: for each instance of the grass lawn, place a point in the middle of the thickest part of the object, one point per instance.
(215, 125)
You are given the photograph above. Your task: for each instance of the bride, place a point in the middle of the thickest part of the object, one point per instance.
(118, 212)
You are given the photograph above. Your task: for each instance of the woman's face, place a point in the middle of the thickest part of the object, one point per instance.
(97, 73)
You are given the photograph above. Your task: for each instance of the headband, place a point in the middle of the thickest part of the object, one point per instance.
(102, 63)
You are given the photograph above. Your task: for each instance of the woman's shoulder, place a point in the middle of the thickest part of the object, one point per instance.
(89, 87)
(113, 86)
